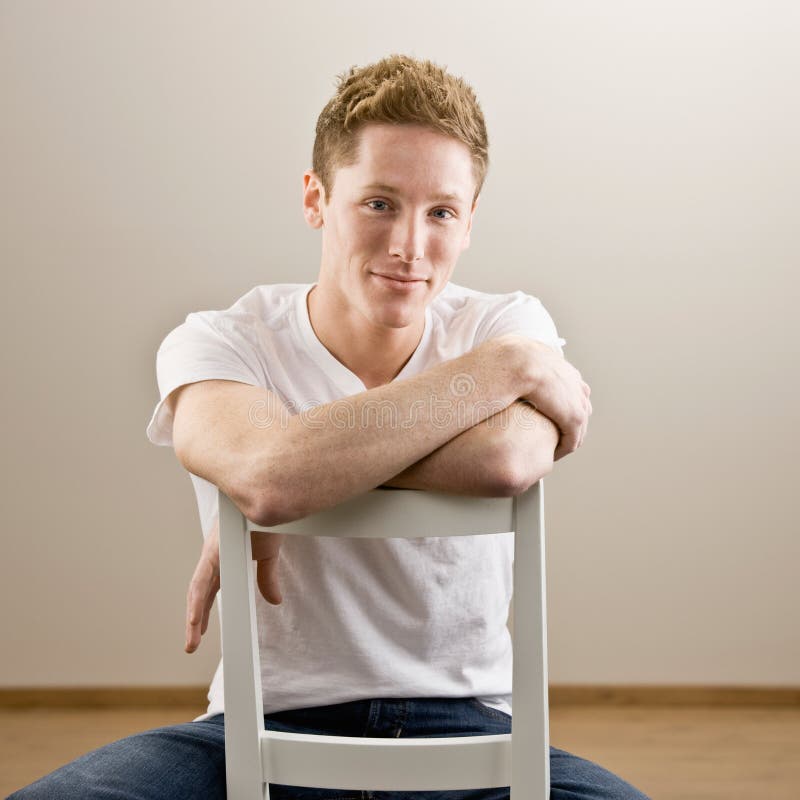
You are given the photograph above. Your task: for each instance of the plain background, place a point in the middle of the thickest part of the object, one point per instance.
(643, 183)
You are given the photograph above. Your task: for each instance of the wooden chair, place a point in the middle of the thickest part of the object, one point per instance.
(255, 757)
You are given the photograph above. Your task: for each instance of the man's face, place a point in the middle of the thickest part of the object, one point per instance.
(391, 235)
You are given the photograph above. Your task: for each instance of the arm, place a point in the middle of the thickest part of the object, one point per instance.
(557, 388)
(279, 467)
(501, 456)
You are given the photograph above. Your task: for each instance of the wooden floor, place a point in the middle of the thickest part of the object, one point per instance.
(669, 753)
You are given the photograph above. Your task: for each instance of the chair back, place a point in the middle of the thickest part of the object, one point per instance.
(255, 757)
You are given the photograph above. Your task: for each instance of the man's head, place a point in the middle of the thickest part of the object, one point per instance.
(398, 90)
(408, 125)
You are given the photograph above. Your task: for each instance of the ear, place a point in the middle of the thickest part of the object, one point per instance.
(313, 199)
(465, 243)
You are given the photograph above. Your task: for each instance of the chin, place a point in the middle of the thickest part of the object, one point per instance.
(395, 320)
(393, 317)
(392, 306)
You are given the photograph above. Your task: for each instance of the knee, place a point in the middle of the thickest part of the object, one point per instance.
(575, 778)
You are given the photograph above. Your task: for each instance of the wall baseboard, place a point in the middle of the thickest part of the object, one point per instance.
(560, 695)
(105, 697)
(676, 695)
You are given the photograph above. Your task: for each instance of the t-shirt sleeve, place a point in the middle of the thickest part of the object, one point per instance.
(524, 314)
(204, 347)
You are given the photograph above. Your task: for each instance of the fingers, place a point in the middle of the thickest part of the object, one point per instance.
(568, 443)
(267, 577)
(266, 551)
(574, 431)
(205, 582)
(192, 633)
(202, 589)
(564, 397)
(199, 600)
(209, 603)
(582, 420)
(194, 615)
(587, 412)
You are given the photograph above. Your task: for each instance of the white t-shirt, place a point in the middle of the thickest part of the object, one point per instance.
(360, 618)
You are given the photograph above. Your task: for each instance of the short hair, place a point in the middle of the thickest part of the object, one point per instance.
(398, 90)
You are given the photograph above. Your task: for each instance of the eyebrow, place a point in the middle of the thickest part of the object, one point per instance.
(384, 187)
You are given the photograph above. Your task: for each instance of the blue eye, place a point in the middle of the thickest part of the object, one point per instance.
(384, 203)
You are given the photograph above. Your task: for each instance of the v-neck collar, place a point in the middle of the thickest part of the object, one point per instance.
(345, 378)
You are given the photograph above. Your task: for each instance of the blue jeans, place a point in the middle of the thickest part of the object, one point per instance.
(187, 761)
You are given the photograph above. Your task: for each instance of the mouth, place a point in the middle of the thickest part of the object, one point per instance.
(402, 283)
(401, 280)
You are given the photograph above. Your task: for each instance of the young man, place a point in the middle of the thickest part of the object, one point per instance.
(274, 400)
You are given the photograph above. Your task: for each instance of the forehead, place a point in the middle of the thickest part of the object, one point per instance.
(412, 158)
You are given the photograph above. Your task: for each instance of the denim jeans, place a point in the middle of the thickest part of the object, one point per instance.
(187, 761)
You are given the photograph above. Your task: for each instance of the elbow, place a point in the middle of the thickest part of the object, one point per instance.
(232, 476)
(266, 516)
(520, 470)
(269, 513)
(261, 507)
(275, 491)
(258, 498)
(272, 502)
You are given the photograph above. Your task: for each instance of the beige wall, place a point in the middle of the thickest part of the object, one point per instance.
(644, 184)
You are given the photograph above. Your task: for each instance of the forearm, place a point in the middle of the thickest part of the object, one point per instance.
(467, 464)
(326, 455)
(502, 455)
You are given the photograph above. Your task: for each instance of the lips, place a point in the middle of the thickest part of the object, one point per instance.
(403, 278)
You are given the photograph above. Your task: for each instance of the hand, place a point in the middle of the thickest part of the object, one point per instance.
(561, 394)
(205, 581)
(266, 550)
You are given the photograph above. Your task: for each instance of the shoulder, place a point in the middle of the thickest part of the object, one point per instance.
(264, 307)
(489, 314)
(267, 305)
(461, 304)
(456, 298)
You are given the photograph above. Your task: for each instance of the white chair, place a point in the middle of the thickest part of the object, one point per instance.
(255, 757)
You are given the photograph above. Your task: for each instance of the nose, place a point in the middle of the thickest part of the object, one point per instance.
(406, 240)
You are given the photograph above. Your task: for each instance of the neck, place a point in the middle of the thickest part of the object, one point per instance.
(374, 353)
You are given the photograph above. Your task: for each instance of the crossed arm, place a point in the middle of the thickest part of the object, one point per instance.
(504, 454)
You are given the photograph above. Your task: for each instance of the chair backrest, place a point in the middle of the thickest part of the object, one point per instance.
(255, 757)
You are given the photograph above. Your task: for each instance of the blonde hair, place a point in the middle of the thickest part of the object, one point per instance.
(398, 90)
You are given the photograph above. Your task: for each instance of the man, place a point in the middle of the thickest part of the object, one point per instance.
(273, 400)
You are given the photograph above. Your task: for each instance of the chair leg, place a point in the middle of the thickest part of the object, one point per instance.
(244, 710)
